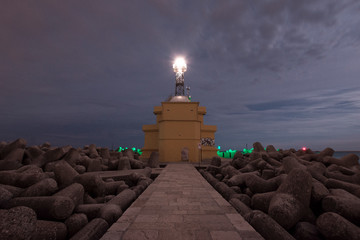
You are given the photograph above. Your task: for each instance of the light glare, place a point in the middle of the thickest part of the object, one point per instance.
(179, 65)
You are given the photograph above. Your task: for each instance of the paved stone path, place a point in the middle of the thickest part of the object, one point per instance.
(181, 204)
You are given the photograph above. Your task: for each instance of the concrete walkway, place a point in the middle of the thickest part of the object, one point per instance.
(181, 204)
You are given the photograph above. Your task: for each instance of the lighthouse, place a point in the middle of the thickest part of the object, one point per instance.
(179, 134)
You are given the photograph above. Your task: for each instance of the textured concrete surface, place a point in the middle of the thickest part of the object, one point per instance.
(181, 204)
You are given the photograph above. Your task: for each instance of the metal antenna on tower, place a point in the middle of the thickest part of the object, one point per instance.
(188, 92)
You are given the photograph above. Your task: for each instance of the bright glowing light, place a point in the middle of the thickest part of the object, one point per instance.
(304, 148)
(179, 65)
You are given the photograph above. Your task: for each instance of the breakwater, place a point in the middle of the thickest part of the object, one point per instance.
(289, 194)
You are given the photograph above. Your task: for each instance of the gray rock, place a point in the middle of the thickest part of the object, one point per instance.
(5, 196)
(292, 198)
(136, 164)
(342, 193)
(154, 160)
(45, 187)
(92, 183)
(348, 160)
(104, 153)
(80, 169)
(64, 174)
(318, 191)
(75, 192)
(92, 231)
(239, 162)
(18, 143)
(210, 178)
(21, 179)
(317, 170)
(111, 187)
(261, 201)
(15, 191)
(270, 148)
(290, 163)
(49, 156)
(72, 157)
(229, 171)
(49, 230)
(224, 190)
(248, 192)
(243, 198)
(327, 152)
(50, 167)
(128, 153)
(13, 160)
(213, 170)
(88, 199)
(93, 153)
(267, 227)
(276, 156)
(90, 210)
(49, 207)
(124, 199)
(335, 227)
(121, 188)
(349, 208)
(342, 177)
(216, 161)
(45, 145)
(286, 210)
(17, 223)
(94, 165)
(350, 187)
(110, 213)
(75, 223)
(144, 181)
(343, 170)
(258, 185)
(306, 231)
(238, 155)
(258, 147)
(33, 152)
(298, 183)
(240, 207)
(267, 174)
(124, 163)
(113, 164)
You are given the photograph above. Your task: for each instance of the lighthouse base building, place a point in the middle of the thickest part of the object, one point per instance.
(179, 134)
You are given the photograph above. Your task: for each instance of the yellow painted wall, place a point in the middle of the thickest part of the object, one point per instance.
(178, 125)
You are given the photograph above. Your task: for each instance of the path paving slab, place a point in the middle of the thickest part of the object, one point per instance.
(181, 204)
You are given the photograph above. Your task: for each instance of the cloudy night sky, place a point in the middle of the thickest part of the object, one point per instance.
(281, 72)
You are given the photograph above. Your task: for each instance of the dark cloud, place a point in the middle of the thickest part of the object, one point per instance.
(275, 105)
(88, 71)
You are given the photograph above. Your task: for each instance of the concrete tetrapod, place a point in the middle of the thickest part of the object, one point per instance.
(346, 207)
(75, 222)
(267, 227)
(292, 198)
(45, 187)
(123, 199)
(49, 230)
(49, 207)
(335, 227)
(17, 223)
(75, 192)
(92, 231)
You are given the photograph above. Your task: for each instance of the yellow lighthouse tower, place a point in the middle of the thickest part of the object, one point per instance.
(179, 133)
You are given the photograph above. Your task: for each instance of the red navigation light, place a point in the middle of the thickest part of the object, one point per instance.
(304, 148)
